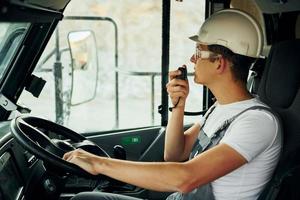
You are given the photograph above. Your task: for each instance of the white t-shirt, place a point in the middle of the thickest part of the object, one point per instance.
(256, 135)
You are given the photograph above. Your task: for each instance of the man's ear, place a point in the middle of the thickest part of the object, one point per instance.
(221, 65)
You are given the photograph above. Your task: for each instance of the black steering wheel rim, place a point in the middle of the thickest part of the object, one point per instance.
(17, 129)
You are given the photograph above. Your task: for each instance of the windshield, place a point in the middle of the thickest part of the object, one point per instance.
(11, 35)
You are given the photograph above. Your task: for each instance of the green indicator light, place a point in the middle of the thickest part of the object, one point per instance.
(131, 140)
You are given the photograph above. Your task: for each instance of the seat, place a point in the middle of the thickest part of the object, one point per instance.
(279, 88)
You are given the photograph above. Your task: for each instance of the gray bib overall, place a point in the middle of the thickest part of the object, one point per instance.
(203, 143)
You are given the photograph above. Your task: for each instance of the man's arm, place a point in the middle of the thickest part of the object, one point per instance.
(178, 143)
(163, 176)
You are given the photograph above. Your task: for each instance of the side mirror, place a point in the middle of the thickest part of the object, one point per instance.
(85, 67)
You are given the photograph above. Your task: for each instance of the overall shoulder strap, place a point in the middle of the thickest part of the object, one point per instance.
(207, 114)
(220, 131)
(230, 120)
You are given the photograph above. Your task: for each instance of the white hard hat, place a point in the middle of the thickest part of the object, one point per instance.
(234, 29)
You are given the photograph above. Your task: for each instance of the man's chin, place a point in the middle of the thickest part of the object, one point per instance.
(196, 80)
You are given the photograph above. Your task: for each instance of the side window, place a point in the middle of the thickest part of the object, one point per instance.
(10, 37)
(91, 86)
(186, 19)
(94, 86)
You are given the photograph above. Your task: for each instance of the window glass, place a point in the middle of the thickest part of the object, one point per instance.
(186, 19)
(85, 98)
(10, 38)
(139, 64)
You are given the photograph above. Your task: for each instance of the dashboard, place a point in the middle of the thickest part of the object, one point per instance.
(24, 177)
(12, 186)
(16, 166)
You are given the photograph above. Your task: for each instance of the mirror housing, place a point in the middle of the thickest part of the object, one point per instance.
(85, 67)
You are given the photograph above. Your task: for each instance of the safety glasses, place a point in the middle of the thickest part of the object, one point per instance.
(204, 54)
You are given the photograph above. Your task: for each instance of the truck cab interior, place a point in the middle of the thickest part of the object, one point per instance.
(32, 145)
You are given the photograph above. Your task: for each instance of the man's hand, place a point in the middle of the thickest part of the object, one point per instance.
(87, 161)
(177, 88)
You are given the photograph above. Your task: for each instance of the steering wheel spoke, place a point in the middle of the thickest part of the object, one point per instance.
(40, 138)
(27, 131)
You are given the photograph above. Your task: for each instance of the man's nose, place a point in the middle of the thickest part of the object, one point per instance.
(193, 59)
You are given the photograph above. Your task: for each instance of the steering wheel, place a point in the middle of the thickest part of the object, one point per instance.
(31, 133)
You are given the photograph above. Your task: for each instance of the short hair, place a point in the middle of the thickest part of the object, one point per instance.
(240, 64)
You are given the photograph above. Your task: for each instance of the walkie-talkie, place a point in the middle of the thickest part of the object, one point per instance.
(183, 75)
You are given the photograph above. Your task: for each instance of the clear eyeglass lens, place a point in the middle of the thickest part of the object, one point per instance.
(202, 54)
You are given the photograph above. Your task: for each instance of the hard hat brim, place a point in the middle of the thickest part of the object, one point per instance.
(194, 38)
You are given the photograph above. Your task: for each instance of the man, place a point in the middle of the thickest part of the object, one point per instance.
(232, 152)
